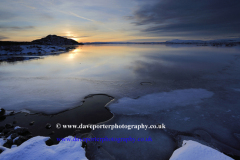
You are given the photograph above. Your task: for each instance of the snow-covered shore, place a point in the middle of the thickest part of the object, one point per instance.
(35, 148)
(12, 53)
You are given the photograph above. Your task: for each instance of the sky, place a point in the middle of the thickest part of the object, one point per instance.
(119, 20)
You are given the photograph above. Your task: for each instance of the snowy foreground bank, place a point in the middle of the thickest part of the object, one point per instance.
(195, 151)
(8, 53)
(35, 148)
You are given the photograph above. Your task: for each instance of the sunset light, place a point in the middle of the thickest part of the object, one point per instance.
(119, 79)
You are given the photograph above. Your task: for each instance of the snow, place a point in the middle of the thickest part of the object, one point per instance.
(9, 137)
(33, 49)
(7, 112)
(15, 139)
(13, 146)
(25, 111)
(17, 127)
(159, 101)
(192, 150)
(2, 141)
(35, 148)
(27, 52)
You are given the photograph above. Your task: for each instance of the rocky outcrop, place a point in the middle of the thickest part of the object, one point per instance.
(55, 40)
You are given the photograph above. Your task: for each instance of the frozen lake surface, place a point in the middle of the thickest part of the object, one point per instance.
(56, 83)
(191, 89)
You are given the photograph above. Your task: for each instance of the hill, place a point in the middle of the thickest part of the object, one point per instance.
(55, 40)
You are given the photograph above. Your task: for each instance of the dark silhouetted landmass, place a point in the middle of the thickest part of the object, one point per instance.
(55, 40)
(9, 43)
(48, 40)
(11, 51)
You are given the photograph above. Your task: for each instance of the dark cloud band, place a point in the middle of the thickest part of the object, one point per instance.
(3, 37)
(2, 27)
(203, 17)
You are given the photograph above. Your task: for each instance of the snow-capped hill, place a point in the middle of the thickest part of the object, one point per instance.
(55, 40)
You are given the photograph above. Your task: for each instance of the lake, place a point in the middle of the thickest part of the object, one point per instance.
(193, 90)
(56, 83)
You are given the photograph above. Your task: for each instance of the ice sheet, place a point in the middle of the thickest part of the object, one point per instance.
(57, 83)
(159, 101)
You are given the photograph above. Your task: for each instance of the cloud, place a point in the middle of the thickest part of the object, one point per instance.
(31, 7)
(186, 16)
(4, 15)
(3, 37)
(25, 4)
(16, 28)
(83, 36)
(81, 17)
(100, 23)
(75, 36)
(46, 16)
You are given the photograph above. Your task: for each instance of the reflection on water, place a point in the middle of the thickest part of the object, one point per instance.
(127, 62)
(61, 81)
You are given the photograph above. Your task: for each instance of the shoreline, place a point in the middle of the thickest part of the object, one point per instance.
(91, 147)
(27, 52)
(92, 111)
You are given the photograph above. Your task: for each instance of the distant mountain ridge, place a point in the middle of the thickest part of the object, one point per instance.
(178, 41)
(55, 40)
